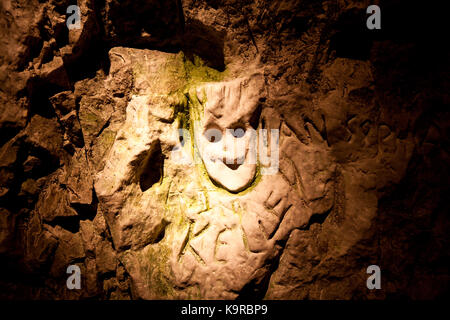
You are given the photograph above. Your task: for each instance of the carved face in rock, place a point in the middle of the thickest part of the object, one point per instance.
(189, 239)
(225, 135)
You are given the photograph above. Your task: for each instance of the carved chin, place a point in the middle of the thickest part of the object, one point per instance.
(234, 179)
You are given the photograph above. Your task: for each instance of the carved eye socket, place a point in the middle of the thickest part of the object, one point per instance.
(238, 132)
(213, 135)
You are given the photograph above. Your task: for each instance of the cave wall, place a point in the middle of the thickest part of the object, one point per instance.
(363, 148)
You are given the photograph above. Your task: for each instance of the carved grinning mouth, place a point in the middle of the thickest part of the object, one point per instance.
(235, 164)
(232, 166)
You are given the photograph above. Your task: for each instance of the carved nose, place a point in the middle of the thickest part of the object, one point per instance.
(228, 141)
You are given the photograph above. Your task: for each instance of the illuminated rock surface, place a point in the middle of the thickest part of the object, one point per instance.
(90, 170)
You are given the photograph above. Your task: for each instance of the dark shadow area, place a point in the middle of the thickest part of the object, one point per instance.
(152, 169)
(87, 211)
(17, 281)
(257, 288)
(89, 54)
(7, 132)
(140, 23)
(412, 21)
(418, 202)
(160, 231)
(71, 223)
(352, 39)
(39, 92)
(205, 42)
(86, 64)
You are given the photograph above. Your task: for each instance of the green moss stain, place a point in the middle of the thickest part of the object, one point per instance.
(155, 268)
(178, 80)
(199, 72)
(186, 75)
(107, 138)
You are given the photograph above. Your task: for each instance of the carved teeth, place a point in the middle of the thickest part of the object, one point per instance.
(233, 162)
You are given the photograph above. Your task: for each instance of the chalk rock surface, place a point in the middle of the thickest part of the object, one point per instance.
(114, 143)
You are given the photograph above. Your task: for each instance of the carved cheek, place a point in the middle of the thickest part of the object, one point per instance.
(210, 151)
(246, 146)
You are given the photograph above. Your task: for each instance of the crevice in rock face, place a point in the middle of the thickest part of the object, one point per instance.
(7, 133)
(71, 223)
(21, 171)
(89, 62)
(61, 34)
(161, 232)
(254, 120)
(106, 125)
(324, 131)
(34, 46)
(152, 169)
(87, 211)
(49, 163)
(39, 93)
(9, 200)
(318, 219)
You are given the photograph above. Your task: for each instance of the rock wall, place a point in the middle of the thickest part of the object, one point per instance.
(90, 134)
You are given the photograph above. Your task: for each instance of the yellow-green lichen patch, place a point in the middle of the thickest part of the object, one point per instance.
(199, 72)
(188, 74)
(107, 139)
(171, 81)
(154, 262)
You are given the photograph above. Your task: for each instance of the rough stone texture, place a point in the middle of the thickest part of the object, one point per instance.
(94, 172)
